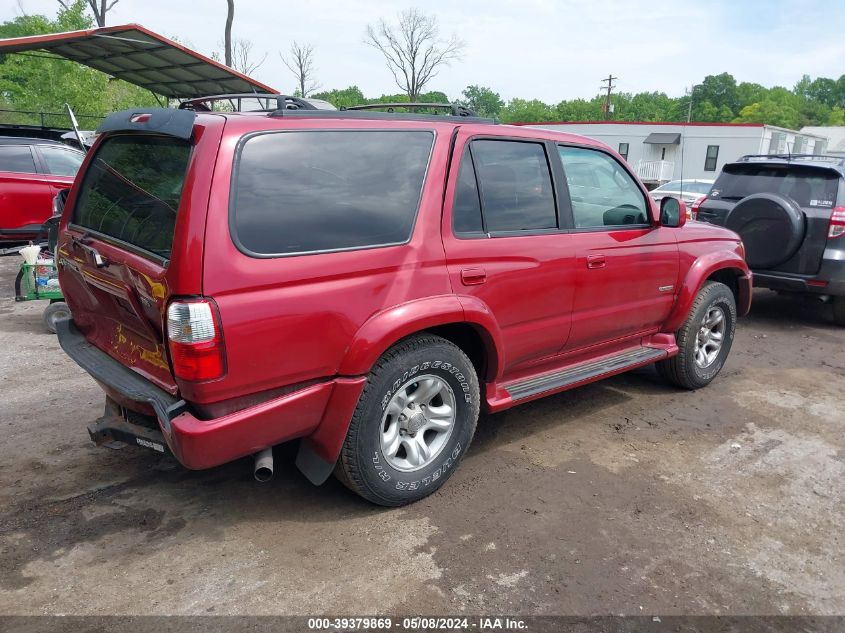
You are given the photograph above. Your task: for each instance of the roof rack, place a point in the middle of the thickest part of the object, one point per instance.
(455, 109)
(826, 158)
(272, 102)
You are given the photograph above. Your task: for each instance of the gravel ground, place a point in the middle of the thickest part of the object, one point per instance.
(622, 497)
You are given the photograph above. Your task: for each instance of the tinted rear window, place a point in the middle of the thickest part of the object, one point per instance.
(301, 192)
(131, 190)
(807, 186)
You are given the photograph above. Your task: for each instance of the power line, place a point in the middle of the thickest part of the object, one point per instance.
(607, 107)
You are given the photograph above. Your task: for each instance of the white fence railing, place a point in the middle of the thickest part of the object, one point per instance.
(655, 170)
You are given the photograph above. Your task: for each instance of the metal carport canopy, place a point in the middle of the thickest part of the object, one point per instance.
(141, 57)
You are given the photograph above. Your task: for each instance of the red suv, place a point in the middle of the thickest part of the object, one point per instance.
(368, 282)
(32, 172)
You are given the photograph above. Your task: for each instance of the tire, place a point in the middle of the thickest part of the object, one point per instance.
(771, 226)
(370, 463)
(684, 369)
(839, 311)
(54, 312)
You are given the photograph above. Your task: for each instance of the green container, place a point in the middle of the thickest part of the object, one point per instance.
(33, 282)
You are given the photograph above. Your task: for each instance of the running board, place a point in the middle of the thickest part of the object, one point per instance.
(583, 372)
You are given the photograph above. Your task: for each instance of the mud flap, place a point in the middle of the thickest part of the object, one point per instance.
(314, 467)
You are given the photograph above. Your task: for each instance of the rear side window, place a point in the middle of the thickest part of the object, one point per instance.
(132, 188)
(61, 162)
(466, 212)
(807, 186)
(515, 185)
(16, 158)
(313, 191)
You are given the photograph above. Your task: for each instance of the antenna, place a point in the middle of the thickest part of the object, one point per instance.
(690, 92)
(607, 108)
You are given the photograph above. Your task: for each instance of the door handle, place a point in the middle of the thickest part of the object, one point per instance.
(596, 261)
(473, 276)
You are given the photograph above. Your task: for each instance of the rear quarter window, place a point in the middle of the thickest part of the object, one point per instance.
(300, 192)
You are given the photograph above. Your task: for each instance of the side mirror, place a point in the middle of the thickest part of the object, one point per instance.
(673, 212)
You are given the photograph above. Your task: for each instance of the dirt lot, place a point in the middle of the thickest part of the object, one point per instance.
(622, 497)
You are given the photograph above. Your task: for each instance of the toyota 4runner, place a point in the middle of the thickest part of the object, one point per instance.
(368, 282)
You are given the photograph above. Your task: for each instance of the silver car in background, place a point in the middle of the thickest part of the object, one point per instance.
(687, 190)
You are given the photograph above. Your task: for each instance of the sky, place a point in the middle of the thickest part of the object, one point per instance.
(545, 49)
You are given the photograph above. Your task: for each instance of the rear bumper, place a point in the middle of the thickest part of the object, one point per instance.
(830, 280)
(199, 443)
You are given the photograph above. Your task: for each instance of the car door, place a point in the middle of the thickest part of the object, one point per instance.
(25, 198)
(59, 165)
(504, 244)
(626, 265)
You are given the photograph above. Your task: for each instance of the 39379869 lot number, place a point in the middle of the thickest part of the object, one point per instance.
(349, 624)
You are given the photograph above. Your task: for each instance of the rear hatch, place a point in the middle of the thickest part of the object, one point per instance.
(813, 188)
(116, 249)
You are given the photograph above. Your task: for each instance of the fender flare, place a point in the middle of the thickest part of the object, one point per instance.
(698, 273)
(385, 328)
(319, 451)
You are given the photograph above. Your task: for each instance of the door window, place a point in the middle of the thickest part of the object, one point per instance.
(466, 212)
(515, 186)
(602, 192)
(16, 158)
(61, 162)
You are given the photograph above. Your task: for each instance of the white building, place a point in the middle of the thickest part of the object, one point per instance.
(835, 135)
(660, 152)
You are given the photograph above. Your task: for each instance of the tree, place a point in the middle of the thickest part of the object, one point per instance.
(718, 90)
(242, 60)
(413, 49)
(227, 33)
(99, 9)
(301, 63)
(342, 98)
(579, 110)
(527, 111)
(483, 101)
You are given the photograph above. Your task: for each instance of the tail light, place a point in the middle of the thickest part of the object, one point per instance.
(693, 212)
(837, 222)
(196, 340)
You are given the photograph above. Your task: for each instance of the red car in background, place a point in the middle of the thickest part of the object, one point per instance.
(32, 172)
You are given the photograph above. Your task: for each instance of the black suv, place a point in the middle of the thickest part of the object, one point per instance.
(790, 212)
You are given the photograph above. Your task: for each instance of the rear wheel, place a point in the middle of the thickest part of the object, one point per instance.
(413, 424)
(839, 311)
(704, 339)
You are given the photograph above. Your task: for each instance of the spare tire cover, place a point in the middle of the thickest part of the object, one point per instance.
(771, 227)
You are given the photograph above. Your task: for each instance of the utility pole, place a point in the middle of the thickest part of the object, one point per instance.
(689, 108)
(607, 108)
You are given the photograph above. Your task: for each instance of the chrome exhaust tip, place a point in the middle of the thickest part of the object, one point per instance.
(263, 470)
